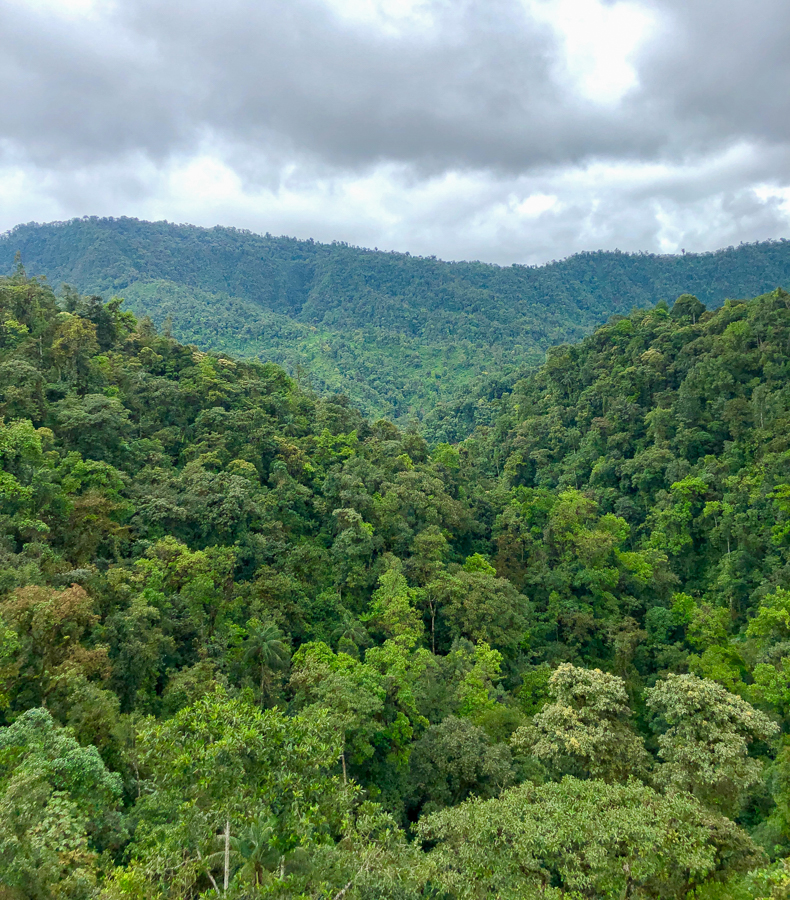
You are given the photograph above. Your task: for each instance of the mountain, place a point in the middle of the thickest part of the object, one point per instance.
(400, 335)
(250, 638)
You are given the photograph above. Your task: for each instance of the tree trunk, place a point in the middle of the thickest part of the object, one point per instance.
(208, 872)
(226, 878)
(342, 893)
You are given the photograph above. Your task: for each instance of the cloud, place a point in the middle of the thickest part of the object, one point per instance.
(509, 130)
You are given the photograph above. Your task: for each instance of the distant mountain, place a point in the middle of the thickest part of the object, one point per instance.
(401, 335)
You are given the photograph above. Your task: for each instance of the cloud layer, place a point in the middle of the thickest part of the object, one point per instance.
(506, 130)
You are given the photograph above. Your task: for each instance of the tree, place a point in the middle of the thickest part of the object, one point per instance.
(264, 646)
(58, 810)
(481, 607)
(586, 728)
(217, 767)
(687, 306)
(477, 688)
(50, 625)
(454, 760)
(74, 345)
(768, 634)
(9, 665)
(392, 609)
(586, 839)
(704, 733)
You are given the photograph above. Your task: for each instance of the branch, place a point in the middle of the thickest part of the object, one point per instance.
(208, 872)
(342, 893)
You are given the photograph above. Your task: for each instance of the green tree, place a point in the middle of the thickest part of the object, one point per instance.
(265, 647)
(58, 811)
(453, 761)
(50, 627)
(704, 733)
(481, 607)
(392, 609)
(584, 838)
(687, 306)
(585, 729)
(215, 768)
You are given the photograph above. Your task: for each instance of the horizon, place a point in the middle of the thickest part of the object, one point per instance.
(328, 243)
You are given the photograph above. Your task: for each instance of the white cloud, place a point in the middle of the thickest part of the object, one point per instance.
(600, 42)
(535, 204)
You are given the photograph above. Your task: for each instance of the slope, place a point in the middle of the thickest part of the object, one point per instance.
(231, 607)
(396, 333)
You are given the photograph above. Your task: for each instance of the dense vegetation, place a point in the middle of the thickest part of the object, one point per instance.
(402, 336)
(253, 645)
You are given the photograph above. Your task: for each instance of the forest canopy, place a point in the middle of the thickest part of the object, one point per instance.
(253, 644)
(408, 338)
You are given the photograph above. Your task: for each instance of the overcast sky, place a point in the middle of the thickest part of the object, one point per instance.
(501, 130)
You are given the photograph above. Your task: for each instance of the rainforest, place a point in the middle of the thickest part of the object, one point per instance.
(408, 338)
(256, 642)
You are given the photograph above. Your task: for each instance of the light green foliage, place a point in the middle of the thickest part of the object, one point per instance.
(9, 665)
(704, 733)
(773, 617)
(58, 808)
(392, 610)
(224, 764)
(584, 838)
(478, 684)
(351, 693)
(585, 729)
(769, 634)
(478, 563)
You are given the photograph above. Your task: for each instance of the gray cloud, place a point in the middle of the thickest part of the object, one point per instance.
(292, 97)
(722, 71)
(476, 90)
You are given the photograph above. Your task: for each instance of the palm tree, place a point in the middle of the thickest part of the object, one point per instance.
(254, 846)
(265, 646)
(257, 848)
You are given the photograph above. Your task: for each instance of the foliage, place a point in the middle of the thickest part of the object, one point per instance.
(253, 644)
(403, 336)
(57, 810)
(221, 766)
(585, 729)
(586, 838)
(704, 736)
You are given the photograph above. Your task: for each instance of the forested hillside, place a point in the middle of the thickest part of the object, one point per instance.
(396, 333)
(254, 645)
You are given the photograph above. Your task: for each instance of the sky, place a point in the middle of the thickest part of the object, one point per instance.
(500, 130)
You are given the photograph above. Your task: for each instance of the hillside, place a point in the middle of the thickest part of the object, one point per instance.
(396, 333)
(248, 637)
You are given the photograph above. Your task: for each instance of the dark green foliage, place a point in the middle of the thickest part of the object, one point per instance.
(248, 635)
(406, 337)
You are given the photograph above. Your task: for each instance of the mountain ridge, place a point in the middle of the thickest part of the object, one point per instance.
(398, 333)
